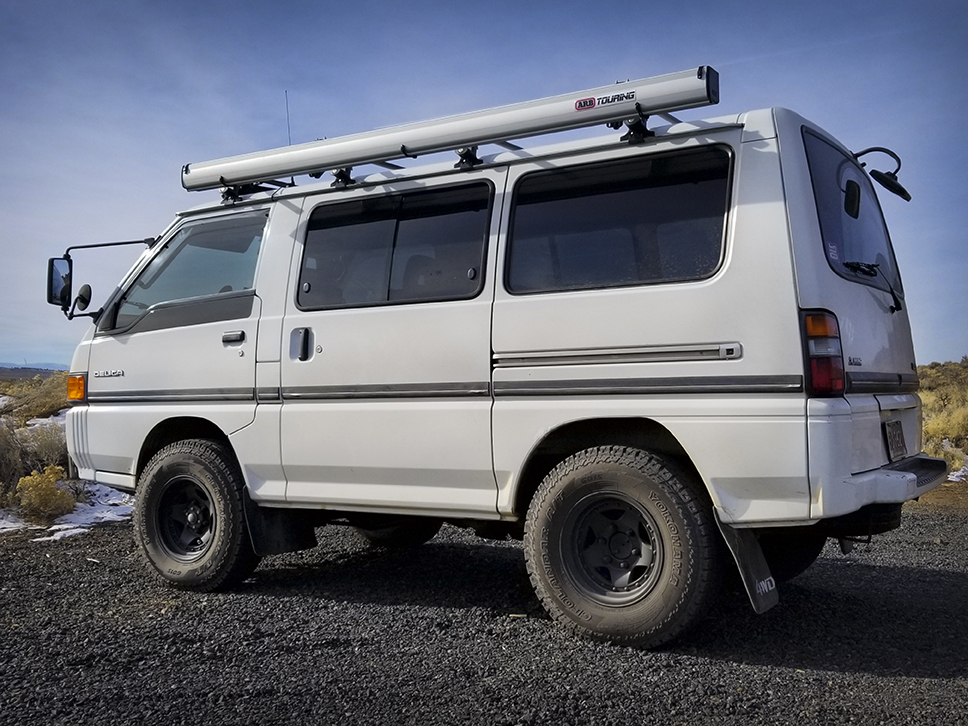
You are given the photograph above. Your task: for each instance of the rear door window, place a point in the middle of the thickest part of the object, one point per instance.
(850, 239)
(415, 247)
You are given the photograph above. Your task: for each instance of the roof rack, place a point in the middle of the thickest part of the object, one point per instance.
(630, 102)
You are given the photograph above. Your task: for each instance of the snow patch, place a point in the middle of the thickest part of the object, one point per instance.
(60, 534)
(10, 521)
(960, 475)
(58, 419)
(106, 505)
(103, 505)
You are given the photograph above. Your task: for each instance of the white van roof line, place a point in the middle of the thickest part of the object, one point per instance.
(511, 154)
(629, 102)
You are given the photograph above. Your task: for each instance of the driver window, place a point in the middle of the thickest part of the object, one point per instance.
(201, 259)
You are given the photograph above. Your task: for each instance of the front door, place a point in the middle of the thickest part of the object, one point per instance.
(386, 349)
(179, 340)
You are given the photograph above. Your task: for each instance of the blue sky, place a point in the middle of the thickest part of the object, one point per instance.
(102, 103)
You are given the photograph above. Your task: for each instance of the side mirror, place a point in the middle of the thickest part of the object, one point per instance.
(83, 298)
(888, 180)
(59, 271)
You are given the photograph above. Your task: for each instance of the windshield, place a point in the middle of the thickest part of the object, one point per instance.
(853, 231)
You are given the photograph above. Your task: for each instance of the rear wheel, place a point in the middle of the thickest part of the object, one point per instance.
(620, 547)
(189, 518)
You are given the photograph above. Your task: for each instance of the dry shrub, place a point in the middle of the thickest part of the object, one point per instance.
(38, 398)
(44, 446)
(11, 462)
(41, 497)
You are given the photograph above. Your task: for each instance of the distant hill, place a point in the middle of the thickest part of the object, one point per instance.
(13, 372)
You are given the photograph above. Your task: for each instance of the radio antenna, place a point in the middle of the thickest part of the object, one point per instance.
(288, 127)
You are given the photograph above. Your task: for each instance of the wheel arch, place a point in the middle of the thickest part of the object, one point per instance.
(177, 429)
(574, 436)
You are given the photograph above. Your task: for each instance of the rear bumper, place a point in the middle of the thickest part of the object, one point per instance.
(892, 484)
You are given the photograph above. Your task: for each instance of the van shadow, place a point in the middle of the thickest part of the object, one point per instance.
(840, 616)
(486, 576)
(847, 617)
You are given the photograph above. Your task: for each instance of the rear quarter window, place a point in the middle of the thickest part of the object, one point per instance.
(639, 221)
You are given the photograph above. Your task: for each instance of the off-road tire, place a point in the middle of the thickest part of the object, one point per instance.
(189, 520)
(612, 510)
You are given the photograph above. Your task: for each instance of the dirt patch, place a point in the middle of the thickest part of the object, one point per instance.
(953, 494)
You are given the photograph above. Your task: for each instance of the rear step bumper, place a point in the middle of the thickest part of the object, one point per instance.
(892, 484)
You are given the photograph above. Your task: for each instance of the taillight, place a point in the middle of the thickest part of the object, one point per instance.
(76, 387)
(824, 355)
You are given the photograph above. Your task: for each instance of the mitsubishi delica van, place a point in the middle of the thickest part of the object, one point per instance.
(674, 352)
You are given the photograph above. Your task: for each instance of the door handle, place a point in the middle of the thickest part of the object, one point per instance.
(302, 344)
(236, 336)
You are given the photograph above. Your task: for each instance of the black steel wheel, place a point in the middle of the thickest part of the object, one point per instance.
(189, 518)
(613, 548)
(621, 547)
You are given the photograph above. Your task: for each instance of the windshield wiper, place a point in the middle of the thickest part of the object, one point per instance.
(872, 269)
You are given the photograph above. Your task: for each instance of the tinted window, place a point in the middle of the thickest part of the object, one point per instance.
(846, 238)
(202, 258)
(633, 222)
(422, 246)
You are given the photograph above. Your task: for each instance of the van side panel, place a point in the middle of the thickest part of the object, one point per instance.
(736, 406)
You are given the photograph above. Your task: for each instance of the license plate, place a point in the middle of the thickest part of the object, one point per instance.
(896, 447)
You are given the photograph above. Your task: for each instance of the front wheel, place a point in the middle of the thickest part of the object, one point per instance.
(189, 518)
(621, 548)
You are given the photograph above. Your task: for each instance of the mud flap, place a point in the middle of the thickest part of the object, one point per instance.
(275, 531)
(755, 573)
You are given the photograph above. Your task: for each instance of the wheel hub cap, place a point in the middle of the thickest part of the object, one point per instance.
(616, 549)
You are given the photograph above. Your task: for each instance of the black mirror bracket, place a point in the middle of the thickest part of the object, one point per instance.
(887, 179)
(83, 299)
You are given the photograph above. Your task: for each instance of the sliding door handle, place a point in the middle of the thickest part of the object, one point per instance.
(302, 344)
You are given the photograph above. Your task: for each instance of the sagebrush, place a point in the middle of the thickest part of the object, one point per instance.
(35, 397)
(24, 449)
(944, 393)
(42, 497)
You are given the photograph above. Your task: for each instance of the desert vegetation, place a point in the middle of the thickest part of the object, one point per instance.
(32, 460)
(36, 397)
(944, 393)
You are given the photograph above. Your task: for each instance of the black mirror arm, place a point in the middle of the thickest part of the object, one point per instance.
(887, 179)
(148, 241)
(71, 315)
(883, 151)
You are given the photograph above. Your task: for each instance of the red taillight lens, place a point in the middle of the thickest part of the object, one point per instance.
(824, 355)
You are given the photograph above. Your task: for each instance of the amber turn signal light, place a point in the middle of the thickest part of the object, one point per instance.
(76, 387)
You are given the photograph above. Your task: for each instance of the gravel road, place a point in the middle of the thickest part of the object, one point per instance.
(451, 633)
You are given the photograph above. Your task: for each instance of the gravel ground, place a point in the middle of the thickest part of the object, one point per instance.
(451, 633)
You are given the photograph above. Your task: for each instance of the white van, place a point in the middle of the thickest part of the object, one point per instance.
(648, 354)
